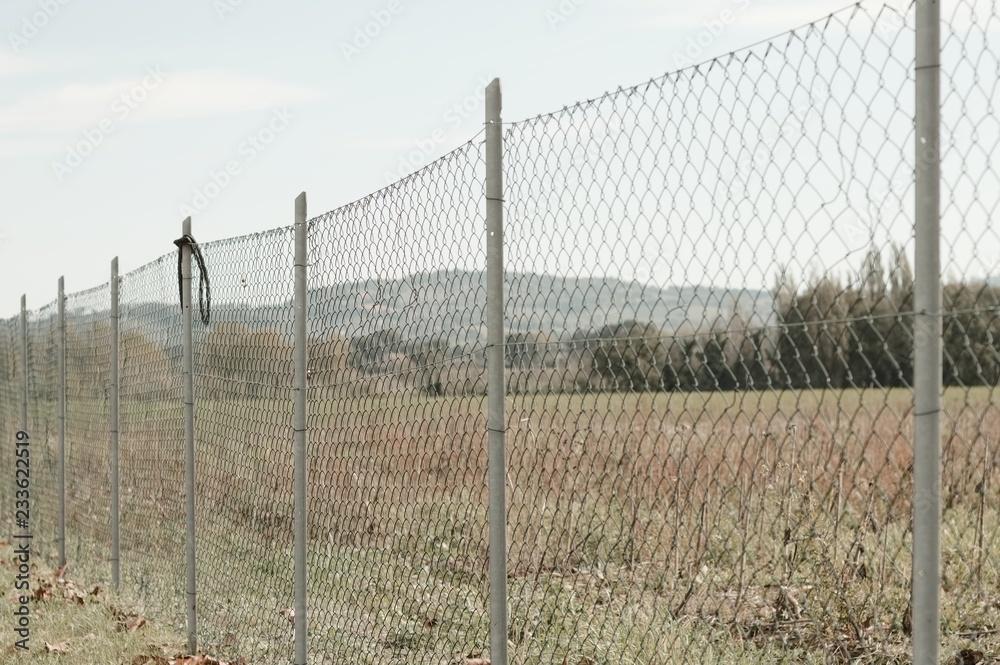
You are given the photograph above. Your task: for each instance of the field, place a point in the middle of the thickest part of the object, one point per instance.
(82, 626)
(652, 528)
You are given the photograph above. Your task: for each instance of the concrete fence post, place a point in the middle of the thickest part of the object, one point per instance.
(113, 430)
(61, 419)
(300, 443)
(496, 388)
(187, 364)
(926, 592)
(24, 363)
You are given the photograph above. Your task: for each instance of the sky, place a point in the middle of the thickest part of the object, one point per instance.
(118, 118)
(162, 97)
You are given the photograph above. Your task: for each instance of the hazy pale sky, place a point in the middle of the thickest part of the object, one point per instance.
(117, 117)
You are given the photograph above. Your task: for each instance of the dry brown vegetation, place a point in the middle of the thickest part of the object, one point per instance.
(649, 527)
(783, 516)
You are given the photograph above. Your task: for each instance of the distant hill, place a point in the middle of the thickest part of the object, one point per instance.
(451, 305)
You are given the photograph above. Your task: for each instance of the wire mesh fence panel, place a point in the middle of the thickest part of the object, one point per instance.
(151, 440)
(43, 427)
(397, 485)
(970, 246)
(243, 380)
(711, 435)
(88, 489)
(10, 405)
(709, 360)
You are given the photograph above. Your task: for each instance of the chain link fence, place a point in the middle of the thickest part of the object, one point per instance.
(243, 381)
(88, 487)
(711, 439)
(398, 420)
(708, 454)
(43, 416)
(10, 396)
(971, 324)
(151, 436)
(708, 353)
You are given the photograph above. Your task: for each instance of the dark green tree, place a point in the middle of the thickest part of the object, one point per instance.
(630, 356)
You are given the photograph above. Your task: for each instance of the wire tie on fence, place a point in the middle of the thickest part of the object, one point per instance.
(204, 288)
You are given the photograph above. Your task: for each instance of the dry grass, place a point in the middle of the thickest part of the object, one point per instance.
(76, 625)
(654, 528)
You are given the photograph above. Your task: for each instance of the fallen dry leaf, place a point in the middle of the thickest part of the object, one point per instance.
(129, 621)
(150, 660)
(163, 648)
(968, 657)
(42, 592)
(58, 647)
(134, 624)
(288, 613)
(474, 658)
(201, 659)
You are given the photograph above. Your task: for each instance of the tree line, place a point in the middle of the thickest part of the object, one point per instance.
(826, 333)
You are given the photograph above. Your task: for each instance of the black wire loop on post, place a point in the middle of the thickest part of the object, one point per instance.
(204, 288)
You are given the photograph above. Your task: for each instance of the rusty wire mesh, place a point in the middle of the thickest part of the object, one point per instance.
(397, 485)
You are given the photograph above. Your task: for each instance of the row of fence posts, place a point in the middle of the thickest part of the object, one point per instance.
(927, 473)
(497, 471)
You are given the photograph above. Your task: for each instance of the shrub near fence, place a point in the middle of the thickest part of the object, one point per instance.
(706, 348)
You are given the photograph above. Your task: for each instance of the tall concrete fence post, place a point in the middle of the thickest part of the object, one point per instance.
(187, 364)
(926, 592)
(61, 418)
(496, 388)
(24, 363)
(300, 421)
(113, 431)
